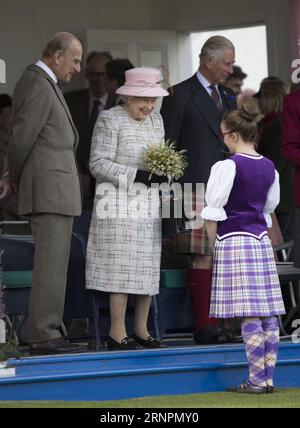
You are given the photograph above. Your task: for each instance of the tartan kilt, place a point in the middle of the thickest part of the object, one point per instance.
(245, 282)
(194, 239)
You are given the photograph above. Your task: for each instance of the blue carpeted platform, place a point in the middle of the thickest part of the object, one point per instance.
(120, 375)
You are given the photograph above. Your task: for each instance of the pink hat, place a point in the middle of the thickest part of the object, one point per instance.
(142, 82)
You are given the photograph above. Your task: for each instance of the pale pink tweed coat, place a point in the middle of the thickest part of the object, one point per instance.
(123, 254)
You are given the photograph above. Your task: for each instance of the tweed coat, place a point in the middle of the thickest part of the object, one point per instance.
(123, 253)
(42, 148)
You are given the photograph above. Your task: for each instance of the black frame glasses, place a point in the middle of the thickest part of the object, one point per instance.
(222, 134)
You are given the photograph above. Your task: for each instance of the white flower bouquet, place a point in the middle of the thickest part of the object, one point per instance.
(164, 159)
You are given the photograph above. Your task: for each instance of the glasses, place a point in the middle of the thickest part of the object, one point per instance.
(222, 134)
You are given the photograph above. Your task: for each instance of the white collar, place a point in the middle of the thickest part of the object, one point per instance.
(48, 70)
(204, 82)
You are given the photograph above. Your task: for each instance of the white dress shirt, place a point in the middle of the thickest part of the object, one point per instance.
(48, 70)
(102, 103)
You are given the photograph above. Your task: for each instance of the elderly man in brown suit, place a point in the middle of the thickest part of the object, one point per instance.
(43, 169)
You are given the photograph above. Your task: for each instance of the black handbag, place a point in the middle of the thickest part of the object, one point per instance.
(173, 218)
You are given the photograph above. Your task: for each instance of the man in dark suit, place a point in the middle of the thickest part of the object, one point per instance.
(43, 170)
(85, 106)
(192, 115)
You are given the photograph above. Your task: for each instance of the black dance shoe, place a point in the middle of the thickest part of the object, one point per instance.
(151, 342)
(270, 389)
(248, 388)
(127, 344)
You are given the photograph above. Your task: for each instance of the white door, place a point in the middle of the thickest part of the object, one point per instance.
(167, 50)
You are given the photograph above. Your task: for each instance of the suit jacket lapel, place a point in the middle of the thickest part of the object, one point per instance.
(228, 99)
(85, 109)
(58, 93)
(205, 104)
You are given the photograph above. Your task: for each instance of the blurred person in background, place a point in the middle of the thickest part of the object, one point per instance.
(8, 206)
(85, 106)
(271, 96)
(236, 80)
(115, 78)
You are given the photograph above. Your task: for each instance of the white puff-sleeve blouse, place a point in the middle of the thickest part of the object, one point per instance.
(219, 187)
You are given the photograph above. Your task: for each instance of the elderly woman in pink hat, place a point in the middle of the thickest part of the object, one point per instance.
(124, 245)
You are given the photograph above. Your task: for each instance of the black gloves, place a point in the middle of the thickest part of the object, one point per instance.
(143, 177)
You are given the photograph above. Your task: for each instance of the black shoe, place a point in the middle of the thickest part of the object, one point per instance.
(210, 335)
(55, 346)
(151, 342)
(127, 344)
(248, 388)
(270, 389)
(232, 336)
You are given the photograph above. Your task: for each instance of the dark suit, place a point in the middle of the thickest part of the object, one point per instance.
(192, 120)
(79, 105)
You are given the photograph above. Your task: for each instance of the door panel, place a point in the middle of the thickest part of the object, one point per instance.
(144, 48)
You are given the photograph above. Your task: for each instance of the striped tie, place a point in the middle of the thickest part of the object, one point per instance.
(216, 97)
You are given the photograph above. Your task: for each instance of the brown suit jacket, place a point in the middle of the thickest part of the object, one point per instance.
(42, 148)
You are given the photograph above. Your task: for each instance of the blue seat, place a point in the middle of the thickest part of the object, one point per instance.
(17, 265)
(174, 312)
(79, 303)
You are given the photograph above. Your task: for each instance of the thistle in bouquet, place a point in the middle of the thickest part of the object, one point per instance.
(164, 159)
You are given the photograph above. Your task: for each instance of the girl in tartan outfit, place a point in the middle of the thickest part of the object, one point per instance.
(241, 194)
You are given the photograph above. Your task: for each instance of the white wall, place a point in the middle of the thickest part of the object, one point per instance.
(26, 25)
(251, 57)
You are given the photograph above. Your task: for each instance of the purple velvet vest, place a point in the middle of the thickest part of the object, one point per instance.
(244, 209)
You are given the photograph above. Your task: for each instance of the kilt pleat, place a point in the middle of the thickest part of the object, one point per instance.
(245, 282)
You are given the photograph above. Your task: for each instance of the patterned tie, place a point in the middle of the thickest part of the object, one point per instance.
(94, 117)
(216, 97)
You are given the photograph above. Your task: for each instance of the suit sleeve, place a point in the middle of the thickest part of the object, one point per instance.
(30, 116)
(172, 113)
(291, 130)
